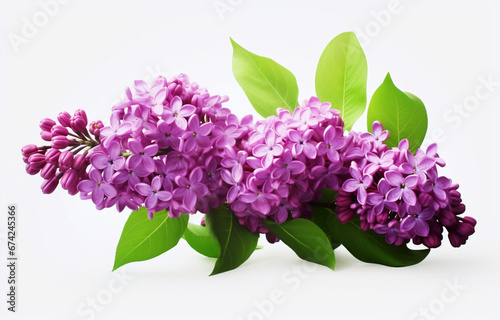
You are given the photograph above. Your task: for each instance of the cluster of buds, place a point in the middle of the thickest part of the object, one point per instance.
(61, 161)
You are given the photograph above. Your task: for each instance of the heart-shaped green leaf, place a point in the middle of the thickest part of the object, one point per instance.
(143, 238)
(341, 77)
(202, 240)
(371, 247)
(402, 113)
(236, 242)
(306, 239)
(267, 84)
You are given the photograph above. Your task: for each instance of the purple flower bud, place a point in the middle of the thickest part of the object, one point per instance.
(433, 240)
(74, 191)
(271, 238)
(70, 179)
(64, 119)
(58, 130)
(46, 135)
(29, 149)
(37, 161)
(466, 228)
(459, 209)
(81, 114)
(65, 159)
(95, 127)
(79, 121)
(455, 239)
(48, 171)
(447, 218)
(52, 156)
(455, 194)
(425, 199)
(49, 185)
(469, 220)
(78, 124)
(59, 142)
(47, 124)
(30, 170)
(80, 162)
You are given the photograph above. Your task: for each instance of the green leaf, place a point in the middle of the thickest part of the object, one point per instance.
(202, 240)
(371, 247)
(321, 217)
(306, 239)
(236, 242)
(402, 113)
(341, 77)
(328, 196)
(143, 238)
(267, 84)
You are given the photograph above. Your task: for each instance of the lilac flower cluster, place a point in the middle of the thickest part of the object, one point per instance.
(284, 164)
(163, 149)
(400, 194)
(171, 145)
(61, 162)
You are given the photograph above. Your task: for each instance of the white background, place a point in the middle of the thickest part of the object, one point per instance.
(87, 52)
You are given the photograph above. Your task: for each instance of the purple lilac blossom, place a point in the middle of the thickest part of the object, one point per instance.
(406, 198)
(171, 145)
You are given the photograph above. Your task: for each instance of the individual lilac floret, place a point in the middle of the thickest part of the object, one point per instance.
(153, 193)
(358, 183)
(110, 161)
(177, 113)
(97, 186)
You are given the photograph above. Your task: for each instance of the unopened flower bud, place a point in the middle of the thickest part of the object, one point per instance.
(59, 142)
(52, 156)
(95, 127)
(47, 124)
(65, 159)
(79, 121)
(64, 119)
(49, 185)
(48, 171)
(79, 162)
(69, 179)
(58, 130)
(36, 161)
(46, 135)
(29, 149)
